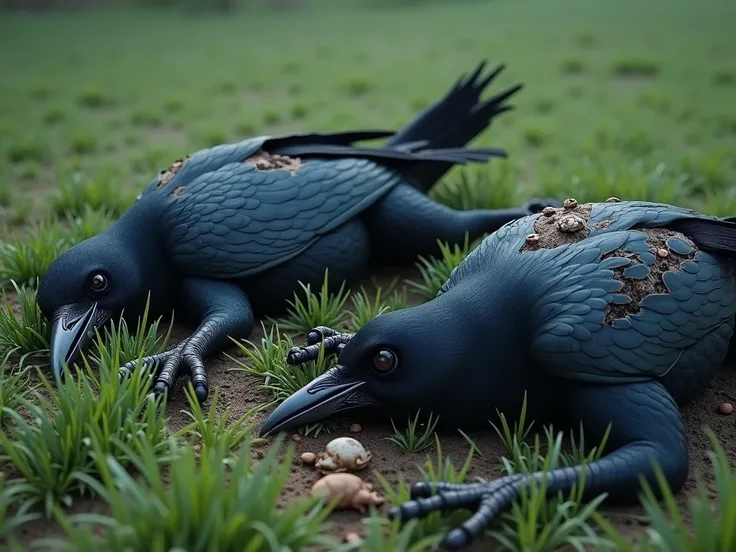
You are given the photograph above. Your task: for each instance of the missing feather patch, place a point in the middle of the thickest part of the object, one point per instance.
(669, 250)
(167, 174)
(559, 226)
(264, 161)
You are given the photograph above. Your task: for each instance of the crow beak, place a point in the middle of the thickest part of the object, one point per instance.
(330, 393)
(71, 332)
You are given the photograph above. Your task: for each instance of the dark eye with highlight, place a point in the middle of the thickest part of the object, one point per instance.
(384, 362)
(97, 283)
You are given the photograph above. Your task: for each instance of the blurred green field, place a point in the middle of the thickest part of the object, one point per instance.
(626, 99)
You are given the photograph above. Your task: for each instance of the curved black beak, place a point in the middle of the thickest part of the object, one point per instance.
(330, 393)
(72, 331)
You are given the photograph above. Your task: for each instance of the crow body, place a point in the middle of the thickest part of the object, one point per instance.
(610, 315)
(226, 234)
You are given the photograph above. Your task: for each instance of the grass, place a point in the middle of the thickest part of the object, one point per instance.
(611, 107)
(416, 437)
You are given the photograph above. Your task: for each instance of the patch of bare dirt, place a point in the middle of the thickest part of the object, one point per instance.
(265, 161)
(559, 226)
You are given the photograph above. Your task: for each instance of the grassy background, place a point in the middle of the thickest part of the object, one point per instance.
(628, 99)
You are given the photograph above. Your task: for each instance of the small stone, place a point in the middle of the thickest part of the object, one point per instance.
(352, 537)
(613, 200)
(570, 203)
(570, 223)
(355, 428)
(296, 438)
(532, 238)
(725, 409)
(662, 253)
(309, 458)
(549, 211)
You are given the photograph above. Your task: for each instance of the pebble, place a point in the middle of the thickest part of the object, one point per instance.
(725, 409)
(532, 238)
(296, 438)
(549, 211)
(309, 458)
(570, 203)
(352, 537)
(355, 428)
(663, 252)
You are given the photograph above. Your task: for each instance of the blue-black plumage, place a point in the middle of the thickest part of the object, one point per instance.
(605, 314)
(225, 235)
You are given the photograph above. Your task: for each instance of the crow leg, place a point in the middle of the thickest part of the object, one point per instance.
(406, 223)
(646, 428)
(220, 310)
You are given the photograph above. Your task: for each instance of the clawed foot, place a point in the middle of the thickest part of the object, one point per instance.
(488, 500)
(334, 342)
(536, 205)
(184, 358)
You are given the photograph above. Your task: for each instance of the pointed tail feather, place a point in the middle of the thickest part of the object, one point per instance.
(453, 122)
(709, 234)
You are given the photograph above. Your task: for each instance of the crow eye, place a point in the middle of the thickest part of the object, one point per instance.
(384, 362)
(98, 283)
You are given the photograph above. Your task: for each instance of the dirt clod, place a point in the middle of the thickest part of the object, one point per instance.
(342, 454)
(265, 161)
(549, 211)
(296, 438)
(638, 288)
(725, 409)
(570, 223)
(178, 190)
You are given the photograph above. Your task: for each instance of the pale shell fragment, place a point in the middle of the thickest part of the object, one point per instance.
(570, 223)
(342, 454)
(349, 490)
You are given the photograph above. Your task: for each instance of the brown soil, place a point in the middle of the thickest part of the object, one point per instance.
(559, 226)
(168, 174)
(265, 161)
(240, 392)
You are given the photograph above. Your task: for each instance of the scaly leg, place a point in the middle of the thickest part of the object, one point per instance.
(222, 311)
(406, 223)
(334, 342)
(646, 427)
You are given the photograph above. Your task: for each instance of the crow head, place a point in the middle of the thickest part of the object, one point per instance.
(444, 356)
(91, 283)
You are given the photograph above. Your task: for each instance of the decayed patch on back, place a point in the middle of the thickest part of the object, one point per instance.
(559, 226)
(166, 175)
(667, 251)
(265, 161)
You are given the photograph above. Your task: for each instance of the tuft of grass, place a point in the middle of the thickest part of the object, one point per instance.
(435, 272)
(473, 189)
(210, 503)
(93, 97)
(366, 308)
(724, 77)
(712, 528)
(82, 143)
(357, 86)
(27, 334)
(14, 386)
(9, 496)
(53, 452)
(573, 66)
(316, 309)
(416, 437)
(635, 67)
(279, 379)
(120, 345)
(27, 149)
(77, 194)
(216, 427)
(86, 224)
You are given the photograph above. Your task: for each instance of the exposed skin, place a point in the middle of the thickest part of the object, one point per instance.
(225, 235)
(559, 323)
